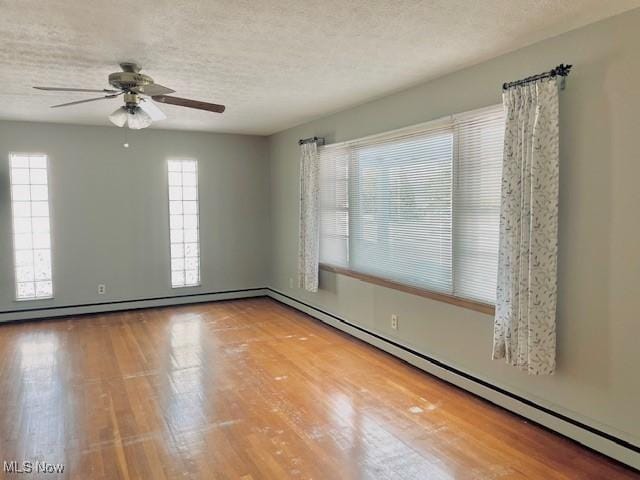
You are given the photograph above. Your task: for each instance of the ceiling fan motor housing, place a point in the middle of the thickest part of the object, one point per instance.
(128, 80)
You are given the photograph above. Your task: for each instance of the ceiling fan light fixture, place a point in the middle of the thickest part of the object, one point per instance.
(134, 118)
(119, 117)
(138, 119)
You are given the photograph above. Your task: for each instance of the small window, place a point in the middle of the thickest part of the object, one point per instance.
(183, 223)
(31, 226)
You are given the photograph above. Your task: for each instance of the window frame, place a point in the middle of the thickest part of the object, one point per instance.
(450, 298)
(13, 234)
(197, 200)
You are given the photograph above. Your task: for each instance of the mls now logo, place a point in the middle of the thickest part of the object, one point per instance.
(33, 467)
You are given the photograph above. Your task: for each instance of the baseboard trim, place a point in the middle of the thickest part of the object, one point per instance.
(132, 304)
(587, 435)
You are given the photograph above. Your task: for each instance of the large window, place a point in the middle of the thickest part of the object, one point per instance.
(183, 223)
(418, 206)
(31, 226)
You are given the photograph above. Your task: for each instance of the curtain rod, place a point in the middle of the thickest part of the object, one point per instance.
(561, 70)
(318, 140)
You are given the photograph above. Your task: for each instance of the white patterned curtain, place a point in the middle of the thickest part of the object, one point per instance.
(525, 321)
(309, 241)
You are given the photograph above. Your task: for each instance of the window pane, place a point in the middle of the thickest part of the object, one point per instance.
(192, 263)
(23, 241)
(191, 277)
(477, 203)
(177, 264)
(191, 236)
(38, 177)
(25, 274)
(401, 210)
(190, 207)
(175, 208)
(22, 209)
(177, 278)
(19, 161)
(20, 176)
(41, 240)
(39, 192)
(32, 240)
(38, 161)
(190, 221)
(190, 249)
(176, 236)
(189, 166)
(21, 225)
(175, 178)
(24, 258)
(175, 221)
(182, 181)
(40, 209)
(20, 192)
(189, 193)
(44, 289)
(175, 193)
(175, 166)
(189, 179)
(177, 250)
(25, 291)
(40, 224)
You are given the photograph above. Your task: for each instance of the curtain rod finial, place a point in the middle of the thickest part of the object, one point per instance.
(562, 70)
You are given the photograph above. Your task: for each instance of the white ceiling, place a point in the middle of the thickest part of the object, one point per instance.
(274, 63)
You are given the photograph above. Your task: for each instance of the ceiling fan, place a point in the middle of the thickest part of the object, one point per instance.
(138, 91)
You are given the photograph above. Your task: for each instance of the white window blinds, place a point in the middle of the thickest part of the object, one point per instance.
(334, 206)
(476, 203)
(418, 206)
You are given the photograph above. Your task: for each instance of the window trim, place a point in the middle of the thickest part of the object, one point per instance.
(13, 234)
(481, 307)
(168, 206)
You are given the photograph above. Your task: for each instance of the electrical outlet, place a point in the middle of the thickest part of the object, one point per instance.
(394, 321)
(102, 289)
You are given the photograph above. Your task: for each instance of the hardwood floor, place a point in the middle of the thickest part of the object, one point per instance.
(251, 389)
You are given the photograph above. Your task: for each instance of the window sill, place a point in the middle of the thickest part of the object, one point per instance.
(441, 297)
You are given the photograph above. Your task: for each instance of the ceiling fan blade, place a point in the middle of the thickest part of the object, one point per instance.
(61, 89)
(152, 110)
(85, 101)
(152, 90)
(185, 102)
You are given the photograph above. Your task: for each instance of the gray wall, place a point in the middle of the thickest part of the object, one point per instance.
(110, 210)
(597, 380)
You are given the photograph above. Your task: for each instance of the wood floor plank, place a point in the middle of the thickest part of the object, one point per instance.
(251, 389)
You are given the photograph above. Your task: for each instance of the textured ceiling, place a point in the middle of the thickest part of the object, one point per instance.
(274, 63)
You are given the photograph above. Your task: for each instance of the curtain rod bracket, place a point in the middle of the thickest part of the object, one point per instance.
(318, 140)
